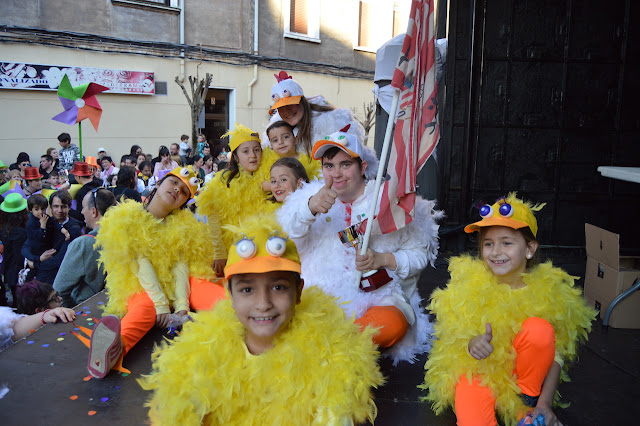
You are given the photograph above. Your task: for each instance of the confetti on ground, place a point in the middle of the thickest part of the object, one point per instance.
(92, 413)
(104, 399)
(73, 397)
(100, 303)
(62, 334)
(117, 387)
(60, 339)
(87, 378)
(84, 315)
(90, 323)
(46, 345)
(76, 329)
(125, 374)
(30, 342)
(31, 331)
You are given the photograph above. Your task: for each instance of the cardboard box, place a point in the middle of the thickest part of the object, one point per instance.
(608, 275)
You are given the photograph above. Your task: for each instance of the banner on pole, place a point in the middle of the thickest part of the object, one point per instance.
(417, 131)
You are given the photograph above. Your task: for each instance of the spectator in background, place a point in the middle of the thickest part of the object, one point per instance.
(139, 159)
(21, 163)
(33, 180)
(176, 159)
(126, 185)
(202, 141)
(174, 149)
(197, 167)
(47, 165)
(108, 169)
(185, 148)
(135, 150)
(53, 182)
(53, 152)
(80, 276)
(4, 176)
(69, 154)
(146, 181)
(13, 220)
(207, 165)
(165, 162)
(101, 153)
(130, 161)
(84, 175)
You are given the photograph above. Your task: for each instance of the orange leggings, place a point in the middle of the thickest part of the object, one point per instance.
(391, 322)
(141, 313)
(535, 347)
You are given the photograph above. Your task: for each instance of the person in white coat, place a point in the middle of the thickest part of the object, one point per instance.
(315, 214)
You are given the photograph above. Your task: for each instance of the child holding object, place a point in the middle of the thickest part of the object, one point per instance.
(505, 326)
(271, 354)
(149, 270)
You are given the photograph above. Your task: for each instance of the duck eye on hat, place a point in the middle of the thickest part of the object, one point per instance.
(285, 92)
(347, 142)
(510, 212)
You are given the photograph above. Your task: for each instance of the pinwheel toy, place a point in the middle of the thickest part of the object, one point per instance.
(79, 103)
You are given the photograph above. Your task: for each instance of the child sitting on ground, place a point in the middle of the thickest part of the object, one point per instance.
(267, 355)
(504, 326)
(42, 233)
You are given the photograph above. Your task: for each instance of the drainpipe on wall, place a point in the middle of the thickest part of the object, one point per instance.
(255, 52)
(181, 76)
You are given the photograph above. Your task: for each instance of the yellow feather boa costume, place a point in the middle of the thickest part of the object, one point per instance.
(473, 298)
(320, 367)
(243, 198)
(128, 232)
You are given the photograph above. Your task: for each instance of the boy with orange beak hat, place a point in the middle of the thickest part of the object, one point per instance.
(271, 353)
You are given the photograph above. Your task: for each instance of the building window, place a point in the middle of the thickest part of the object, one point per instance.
(302, 20)
(378, 21)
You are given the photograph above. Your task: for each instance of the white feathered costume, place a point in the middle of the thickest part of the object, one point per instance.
(327, 263)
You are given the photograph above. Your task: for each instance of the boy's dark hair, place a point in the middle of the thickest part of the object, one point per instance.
(54, 172)
(127, 177)
(64, 137)
(334, 150)
(296, 277)
(144, 164)
(37, 200)
(106, 157)
(32, 296)
(47, 157)
(63, 195)
(101, 199)
(184, 137)
(277, 124)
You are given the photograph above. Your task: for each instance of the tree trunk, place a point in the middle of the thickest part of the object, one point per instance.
(199, 89)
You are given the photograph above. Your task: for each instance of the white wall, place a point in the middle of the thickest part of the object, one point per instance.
(148, 121)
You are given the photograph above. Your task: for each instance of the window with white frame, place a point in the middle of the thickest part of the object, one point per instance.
(378, 21)
(302, 19)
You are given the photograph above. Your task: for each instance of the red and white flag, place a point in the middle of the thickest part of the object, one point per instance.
(417, 131)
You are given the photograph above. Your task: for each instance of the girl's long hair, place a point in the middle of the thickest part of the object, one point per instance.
(9, 221)
(296, 168)
(304, 126)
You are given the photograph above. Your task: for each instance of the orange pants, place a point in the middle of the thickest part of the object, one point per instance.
(391, 322)
(141, 313)
(535, 347)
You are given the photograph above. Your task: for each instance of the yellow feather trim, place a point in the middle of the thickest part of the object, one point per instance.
(473, 298)
(128, 232)
(320, 364)
(244, 197)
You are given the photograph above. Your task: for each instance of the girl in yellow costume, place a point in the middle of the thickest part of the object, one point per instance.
(300, 363)
(149, 252)
(235, 193)
(504, 326)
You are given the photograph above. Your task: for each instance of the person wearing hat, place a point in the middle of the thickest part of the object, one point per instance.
(101, 153)
(84, 176)
(235, 193)
(315, 214)
(506, 325)
(312, 118)
(150, 251)
(13, 217)
(33, 180)
(270, 353)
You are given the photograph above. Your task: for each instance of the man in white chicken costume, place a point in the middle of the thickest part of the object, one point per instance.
(315, 214)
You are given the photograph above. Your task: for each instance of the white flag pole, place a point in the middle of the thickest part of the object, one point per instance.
(381, 166)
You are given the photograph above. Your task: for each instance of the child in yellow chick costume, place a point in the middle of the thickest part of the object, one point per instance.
(504, 325)
(271, 354)
(157, 257)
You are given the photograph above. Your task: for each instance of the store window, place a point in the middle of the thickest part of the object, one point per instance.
(378, 21)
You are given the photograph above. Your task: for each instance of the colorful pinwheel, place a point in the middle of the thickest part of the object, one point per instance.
(79, 103)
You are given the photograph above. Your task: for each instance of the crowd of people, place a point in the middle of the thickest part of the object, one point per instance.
(253, 247)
